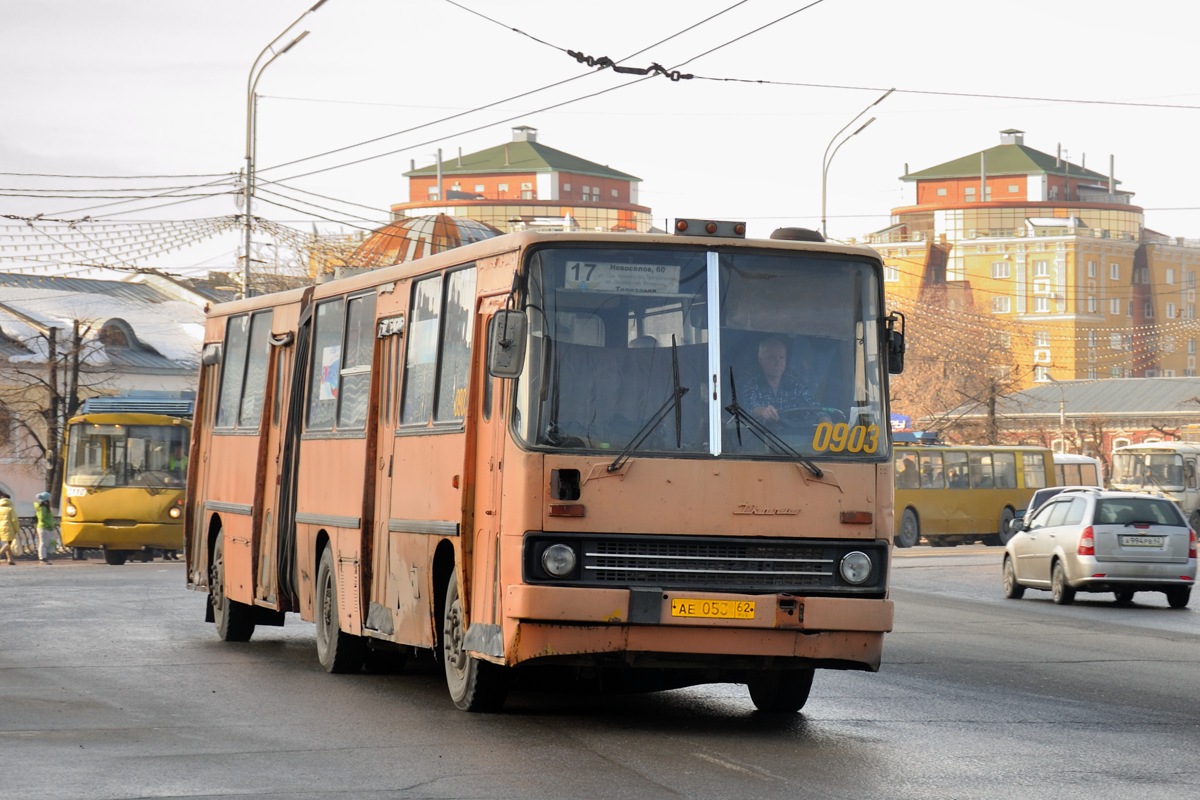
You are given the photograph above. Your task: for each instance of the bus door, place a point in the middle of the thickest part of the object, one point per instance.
(266, 544)
(397, 562)
(485, 461)
(195, 538)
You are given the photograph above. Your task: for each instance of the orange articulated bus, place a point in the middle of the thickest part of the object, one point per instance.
(542, 452)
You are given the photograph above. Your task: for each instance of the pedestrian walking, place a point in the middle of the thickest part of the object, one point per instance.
(10, 528)
(47, 538)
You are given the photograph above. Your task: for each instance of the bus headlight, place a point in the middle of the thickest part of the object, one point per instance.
(855, 567)
(558, 560)
(174, 512)
(71, 510)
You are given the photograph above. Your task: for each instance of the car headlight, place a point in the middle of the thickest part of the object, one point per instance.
(558, 560)
(855, 567)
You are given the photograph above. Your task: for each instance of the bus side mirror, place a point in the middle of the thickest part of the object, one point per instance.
(506, 343)
(895, 342)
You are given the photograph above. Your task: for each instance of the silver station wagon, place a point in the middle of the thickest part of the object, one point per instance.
(1101, 541)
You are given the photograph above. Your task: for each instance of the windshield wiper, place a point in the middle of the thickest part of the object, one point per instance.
(656, 419)
(765, 434)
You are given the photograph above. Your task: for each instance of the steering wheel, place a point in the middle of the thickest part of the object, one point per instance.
(804, 415)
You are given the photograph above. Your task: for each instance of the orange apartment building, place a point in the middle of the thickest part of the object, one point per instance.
(1053, 255)
(525, 185)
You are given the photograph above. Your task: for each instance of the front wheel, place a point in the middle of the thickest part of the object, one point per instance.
(1062, 592)
(780, 691)
(474, 685)
(910, 529)
(1012, 589)
(235, 621)
(338, 651)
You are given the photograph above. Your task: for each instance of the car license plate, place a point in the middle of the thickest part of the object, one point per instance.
(712, 609)
(1143, 541)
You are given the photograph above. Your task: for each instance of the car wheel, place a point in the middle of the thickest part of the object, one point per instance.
(1124, 596)
(1178, 597)
(1012, 589)
(1064, 595)
(910, 529)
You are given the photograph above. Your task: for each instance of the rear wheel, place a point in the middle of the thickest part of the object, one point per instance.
(1012, 589)
(1006, 520)
(780, 691)
(115, 558)
(1178, 598)
(235, 621)
(338, 651)
(910, 529)
(474, 685)
(1063, 594)
(1124, 596)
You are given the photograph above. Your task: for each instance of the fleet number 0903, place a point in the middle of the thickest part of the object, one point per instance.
(842, 438)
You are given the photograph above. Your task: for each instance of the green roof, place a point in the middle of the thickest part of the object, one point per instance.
(521, 157)
(1006, 159)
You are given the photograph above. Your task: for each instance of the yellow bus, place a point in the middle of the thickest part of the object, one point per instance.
(124, 478)
(953, 494)
(543, 452)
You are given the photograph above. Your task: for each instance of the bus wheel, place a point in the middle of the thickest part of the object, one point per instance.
(235, 621)
(780, 691)
(338, 651)
(474, 685)
(1007, 517)
(910, 529)
(115, 558)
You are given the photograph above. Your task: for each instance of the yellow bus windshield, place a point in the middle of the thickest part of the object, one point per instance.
(113, 455)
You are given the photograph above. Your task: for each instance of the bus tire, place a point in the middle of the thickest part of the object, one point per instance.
(234, 620)
(339, 652)
(474, 685)
(780, 691)
(910, 529)
(1007, 516)
(115, 558)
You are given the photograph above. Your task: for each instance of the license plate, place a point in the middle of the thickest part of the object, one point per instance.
(712, 609)
(1143, 541)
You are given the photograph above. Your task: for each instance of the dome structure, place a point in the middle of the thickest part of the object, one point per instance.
(416, 237)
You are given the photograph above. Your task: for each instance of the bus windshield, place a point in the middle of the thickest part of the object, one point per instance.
(690, 351)
(110, 455)
(1162, 470)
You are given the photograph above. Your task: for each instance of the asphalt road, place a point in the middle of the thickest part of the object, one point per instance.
(112, 686)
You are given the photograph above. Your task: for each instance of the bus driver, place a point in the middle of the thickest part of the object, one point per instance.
(775, 389)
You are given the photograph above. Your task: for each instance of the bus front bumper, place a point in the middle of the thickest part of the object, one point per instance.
(553, 621)
(122, 537)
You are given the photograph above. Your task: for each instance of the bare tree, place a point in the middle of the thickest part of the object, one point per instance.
(44, 389)
(959, 363)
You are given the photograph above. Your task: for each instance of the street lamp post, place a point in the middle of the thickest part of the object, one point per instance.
(1062, 412)
(256, 71)
(828, 157)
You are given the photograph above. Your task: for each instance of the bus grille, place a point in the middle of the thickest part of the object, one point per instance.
(702, 563)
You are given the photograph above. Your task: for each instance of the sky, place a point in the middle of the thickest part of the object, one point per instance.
(131, 89)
